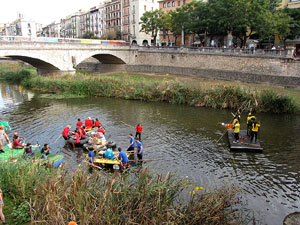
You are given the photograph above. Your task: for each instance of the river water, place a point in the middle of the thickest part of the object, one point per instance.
(185, 137)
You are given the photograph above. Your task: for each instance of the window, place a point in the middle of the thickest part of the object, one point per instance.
(133, 30)
(152, 9)
(169, 4)
(178, 3)
(183, 2)
(145, 8)
(164, 5)
(173, 3)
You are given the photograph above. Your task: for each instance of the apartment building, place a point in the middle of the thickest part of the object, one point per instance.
(125, 11)
(113, 16)
(22, 27)
(137, 9)
(84, 21)
(97, 21)
(51, 30)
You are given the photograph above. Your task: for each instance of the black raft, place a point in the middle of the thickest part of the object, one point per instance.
(244, 143)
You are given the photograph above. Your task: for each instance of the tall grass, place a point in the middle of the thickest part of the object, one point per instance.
(56, 197)
(148, 88)
(171, 91)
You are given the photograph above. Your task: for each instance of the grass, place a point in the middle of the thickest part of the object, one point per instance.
(171, 89)
(57, 197)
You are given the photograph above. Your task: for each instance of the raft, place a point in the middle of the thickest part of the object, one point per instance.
(53, 160)
(244, 142)
(109, 162)
(16, 153)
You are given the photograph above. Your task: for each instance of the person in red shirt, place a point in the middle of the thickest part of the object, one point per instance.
(88, 123)
(101, 130)
(16, 144)
(79, 123)
(66, 133)
(81, 132)
(97, 123)
(138, 129)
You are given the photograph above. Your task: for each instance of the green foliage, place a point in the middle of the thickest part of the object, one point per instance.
(151, 23)
(295, 22)
(89, 35)
(21, 214)
(171, 91)
(57, 197)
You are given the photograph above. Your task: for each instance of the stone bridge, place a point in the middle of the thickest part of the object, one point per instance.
(63, 57)
(270, 67)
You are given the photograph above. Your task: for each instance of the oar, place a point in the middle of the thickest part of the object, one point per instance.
(145, 160)
(92, 165)
(57, 138)
(127, 124)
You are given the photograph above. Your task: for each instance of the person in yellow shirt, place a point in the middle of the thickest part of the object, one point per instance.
(250, 121)
(236, 132)
(254, 132)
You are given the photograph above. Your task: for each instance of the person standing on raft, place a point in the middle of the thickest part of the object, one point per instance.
(45, 151)
(139, 149)
(138, 129)
(131, 143)
(3, 137)
(254, 132)
(236, 131)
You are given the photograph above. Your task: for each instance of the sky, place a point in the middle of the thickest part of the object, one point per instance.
(42, 11)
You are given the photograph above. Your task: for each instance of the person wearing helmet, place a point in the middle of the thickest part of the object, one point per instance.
(3, 137)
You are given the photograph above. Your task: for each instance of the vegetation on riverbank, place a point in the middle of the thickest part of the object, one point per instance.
(174, 90)
(57, 197)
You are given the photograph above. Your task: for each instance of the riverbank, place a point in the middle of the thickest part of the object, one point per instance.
(57, 197)
(171, 89)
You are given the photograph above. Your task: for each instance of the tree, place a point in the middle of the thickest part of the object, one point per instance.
(294, 14)
(151, 23)
(199, 18)
(166, 23)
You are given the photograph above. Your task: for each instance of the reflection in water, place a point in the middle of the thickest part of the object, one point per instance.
(184, 137)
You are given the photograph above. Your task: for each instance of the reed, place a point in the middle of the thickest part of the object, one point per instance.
(153, 88)
(57, 197)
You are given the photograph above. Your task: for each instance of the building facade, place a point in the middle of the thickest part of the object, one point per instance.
(112, 19)
(125, 28)
(137, 9)
(22, 27)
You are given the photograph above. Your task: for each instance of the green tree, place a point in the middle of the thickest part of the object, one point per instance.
(166, 23)
(199, 19)
(294, 14)
(151, 23)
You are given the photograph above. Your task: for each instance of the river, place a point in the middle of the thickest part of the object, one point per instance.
(185, 137)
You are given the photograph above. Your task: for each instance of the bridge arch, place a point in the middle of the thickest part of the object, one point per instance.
(103, 58)
(39, 64)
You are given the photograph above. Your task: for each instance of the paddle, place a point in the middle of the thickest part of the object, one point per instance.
(127, 124)
(57, 138)
(145, 160)
(92, 165)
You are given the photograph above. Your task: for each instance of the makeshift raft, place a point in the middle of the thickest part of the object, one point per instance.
(54, 160)
(109, 162)
(244, 143)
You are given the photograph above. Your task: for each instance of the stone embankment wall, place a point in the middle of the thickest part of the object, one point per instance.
(279, 71)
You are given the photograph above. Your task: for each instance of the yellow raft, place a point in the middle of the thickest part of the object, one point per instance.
(104, 161)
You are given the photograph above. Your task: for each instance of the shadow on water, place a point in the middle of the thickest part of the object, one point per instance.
(185, 137)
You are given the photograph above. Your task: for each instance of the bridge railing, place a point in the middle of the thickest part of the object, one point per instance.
(213, 50)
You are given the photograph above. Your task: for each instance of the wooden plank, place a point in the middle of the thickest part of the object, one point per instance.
(244, 143)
